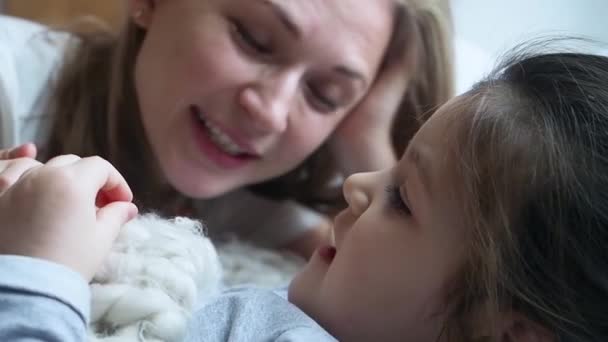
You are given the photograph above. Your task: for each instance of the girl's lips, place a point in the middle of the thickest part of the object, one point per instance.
(327, 253)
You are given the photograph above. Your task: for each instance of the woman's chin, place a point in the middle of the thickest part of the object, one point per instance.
(201, 187)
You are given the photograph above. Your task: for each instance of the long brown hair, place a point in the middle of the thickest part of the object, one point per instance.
(533, 174)
(96, 112)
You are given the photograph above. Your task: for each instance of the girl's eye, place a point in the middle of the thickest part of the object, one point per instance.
(245, 36)
(321, 102)
(396, 201)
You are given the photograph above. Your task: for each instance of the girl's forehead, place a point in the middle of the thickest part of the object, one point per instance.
(442, 127)
(437, 146)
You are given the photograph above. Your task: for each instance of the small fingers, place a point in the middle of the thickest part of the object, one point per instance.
(22, 151)
(113, 216)
(12, 171)
(103, 179)
(63, 160)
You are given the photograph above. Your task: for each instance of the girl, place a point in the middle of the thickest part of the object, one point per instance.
(251, 106)
(491, 227)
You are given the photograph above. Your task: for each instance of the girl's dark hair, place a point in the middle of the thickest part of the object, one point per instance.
(534, 160)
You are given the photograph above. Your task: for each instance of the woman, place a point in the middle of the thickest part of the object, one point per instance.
(252, 106)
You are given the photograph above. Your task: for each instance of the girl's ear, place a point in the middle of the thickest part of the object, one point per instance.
(515, 327)
(141, 12)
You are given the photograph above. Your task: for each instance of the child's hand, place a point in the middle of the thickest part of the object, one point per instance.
(14, 162)
(67, 211)
(27, 150)
(12, 169)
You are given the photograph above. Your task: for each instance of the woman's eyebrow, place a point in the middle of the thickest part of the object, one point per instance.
(290, 24)
(285, 18)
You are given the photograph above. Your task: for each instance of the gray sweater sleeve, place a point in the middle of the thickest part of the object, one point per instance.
(41, 301)
(251, 315)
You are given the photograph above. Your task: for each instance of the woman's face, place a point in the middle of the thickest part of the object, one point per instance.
(235, 92)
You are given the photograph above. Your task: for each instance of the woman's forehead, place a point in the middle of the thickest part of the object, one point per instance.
(369, 19)
(343, 27)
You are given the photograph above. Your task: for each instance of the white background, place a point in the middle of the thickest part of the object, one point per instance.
(487, 28)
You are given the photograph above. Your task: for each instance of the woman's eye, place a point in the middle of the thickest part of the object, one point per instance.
(248, 39)
(322, 102)
(396, 201)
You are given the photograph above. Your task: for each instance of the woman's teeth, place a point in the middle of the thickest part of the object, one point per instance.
(221, 139)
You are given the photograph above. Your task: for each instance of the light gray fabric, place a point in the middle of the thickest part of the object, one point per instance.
(251, 315)
(41, 301)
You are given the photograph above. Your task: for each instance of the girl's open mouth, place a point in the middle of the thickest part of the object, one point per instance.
(327, 253)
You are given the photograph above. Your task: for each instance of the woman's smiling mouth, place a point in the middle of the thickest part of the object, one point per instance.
(224, 149)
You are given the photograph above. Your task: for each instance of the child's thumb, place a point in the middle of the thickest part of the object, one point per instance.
(114, 215)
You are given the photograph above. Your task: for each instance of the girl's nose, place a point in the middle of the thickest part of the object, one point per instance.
(357, 192)
(269, 101)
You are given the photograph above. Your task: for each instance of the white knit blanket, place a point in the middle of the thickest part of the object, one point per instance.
(159, 269)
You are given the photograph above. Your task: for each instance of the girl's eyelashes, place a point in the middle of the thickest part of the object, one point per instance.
(244, 36)
(396, 201)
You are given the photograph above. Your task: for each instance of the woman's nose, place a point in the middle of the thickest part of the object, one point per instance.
(269, 101)
(358, 191)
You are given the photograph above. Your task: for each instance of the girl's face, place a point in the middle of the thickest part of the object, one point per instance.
(398, 249)
(235, 92)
